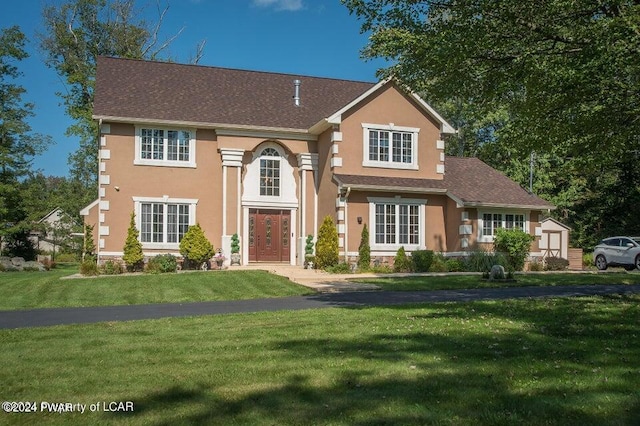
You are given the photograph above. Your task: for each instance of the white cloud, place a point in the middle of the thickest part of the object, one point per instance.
(288, 5)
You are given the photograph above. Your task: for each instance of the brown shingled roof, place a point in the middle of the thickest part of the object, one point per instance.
(466, 179)
(161, 91)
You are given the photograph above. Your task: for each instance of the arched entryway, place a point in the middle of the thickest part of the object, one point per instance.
(269, 204)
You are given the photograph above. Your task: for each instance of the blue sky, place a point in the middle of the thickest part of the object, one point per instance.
(308, 37)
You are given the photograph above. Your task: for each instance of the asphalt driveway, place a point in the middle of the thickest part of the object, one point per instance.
(62, 316)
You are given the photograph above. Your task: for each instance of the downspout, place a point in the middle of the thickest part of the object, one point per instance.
(346, 225)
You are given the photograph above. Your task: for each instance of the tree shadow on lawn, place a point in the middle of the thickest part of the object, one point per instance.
(555, 362)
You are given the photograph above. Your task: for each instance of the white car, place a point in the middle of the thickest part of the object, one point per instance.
(618, 251)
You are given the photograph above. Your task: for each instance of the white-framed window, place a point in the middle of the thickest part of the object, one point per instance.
(162, 222)
(270, 172)
(490, 221)
(396, 222)
(390, 146)
(158, 146)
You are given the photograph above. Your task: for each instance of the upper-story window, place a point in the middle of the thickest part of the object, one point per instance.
(270, 172)
(165, 147)
(390, 146)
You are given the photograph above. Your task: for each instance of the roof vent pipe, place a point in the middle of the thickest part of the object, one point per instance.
(296, 96)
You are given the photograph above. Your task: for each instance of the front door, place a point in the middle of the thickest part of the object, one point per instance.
(269, 235)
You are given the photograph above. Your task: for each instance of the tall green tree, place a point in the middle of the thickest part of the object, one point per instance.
(560, 78)
(18, 145)
(75, 33)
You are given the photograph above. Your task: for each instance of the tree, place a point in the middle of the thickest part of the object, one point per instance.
(567, 71)
(195, 246)
(17, 145)
(515, 244)
(132, 252)
(327, 253)
(364, 250)
(76, 32)
(559, 78)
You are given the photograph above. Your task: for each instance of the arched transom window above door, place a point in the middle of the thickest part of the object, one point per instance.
(270, 172)
(269, 180)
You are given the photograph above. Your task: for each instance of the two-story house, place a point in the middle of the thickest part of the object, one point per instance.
(268, 156)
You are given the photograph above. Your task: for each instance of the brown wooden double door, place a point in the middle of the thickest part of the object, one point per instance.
(269, 235)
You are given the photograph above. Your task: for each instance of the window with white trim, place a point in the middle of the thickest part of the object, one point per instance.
(270, 172)
(390, 146)
(163, 222)
(492, 221)
(396, 222)
(164, 147)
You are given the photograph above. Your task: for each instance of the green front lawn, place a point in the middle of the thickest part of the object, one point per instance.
(25, 290)
(458, 282)
(565, 361)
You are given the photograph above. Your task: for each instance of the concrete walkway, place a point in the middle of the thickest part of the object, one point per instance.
(62, 316)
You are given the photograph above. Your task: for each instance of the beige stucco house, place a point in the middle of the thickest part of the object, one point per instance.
(268, 156)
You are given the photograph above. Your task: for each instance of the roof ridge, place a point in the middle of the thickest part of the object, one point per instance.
(236, 69)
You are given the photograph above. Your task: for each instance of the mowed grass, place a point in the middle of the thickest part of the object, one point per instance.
(24, 290)
(457, 282)
(563, 361)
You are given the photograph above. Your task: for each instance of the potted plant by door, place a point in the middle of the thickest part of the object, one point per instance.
(308, 253)
(235, 250)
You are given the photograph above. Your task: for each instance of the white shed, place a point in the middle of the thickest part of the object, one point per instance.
(554, 241)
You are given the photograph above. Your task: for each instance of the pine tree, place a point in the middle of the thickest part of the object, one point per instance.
(133, 257)
(327, 245)
(364, 251)
(195, 247)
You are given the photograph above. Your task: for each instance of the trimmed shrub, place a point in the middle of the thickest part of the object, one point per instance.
(587, 261)
(111, 268)
(482, 261)
(515, 244)
(340, 268)
(439, 263)
(308, 247)
(381, 269)
(195, 247)
(421, 260)
(327, 245)
(235, 244)
(133, 257)
(401, 263)
(89, 247)
(89, 266)
(364, 251)
(536, 266)
(555, 264)
(162, 263)
(454, 265)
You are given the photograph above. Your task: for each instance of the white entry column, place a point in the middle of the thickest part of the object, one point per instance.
(230, 158)
(307, 162)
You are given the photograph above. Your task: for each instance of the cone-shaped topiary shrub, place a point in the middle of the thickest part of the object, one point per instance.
(364, 251)
(401, 262)
(133, 257)
(195, 247)
(327, 244)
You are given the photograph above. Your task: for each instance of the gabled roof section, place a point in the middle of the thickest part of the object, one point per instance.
(445, 127)
(137, 90)
(468, 181)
